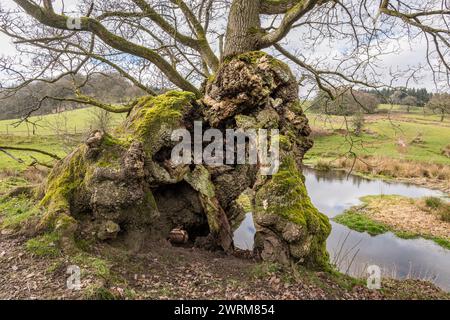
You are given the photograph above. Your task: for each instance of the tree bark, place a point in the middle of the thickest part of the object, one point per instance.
(244, 28)
(127, 184)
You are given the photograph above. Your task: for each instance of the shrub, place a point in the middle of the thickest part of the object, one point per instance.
(433, 203)
(446, 151)
(323, 165)
(441, 208)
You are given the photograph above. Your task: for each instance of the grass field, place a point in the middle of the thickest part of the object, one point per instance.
(401, 109)
(55, 133)
(72, 122)
(386, 135)
(406, 136)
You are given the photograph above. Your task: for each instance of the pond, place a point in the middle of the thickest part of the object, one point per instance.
(352, 252)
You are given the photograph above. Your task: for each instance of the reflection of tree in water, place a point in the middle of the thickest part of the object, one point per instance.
(334, 175)
(237, 221)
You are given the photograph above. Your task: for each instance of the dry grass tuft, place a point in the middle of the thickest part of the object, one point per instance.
(397, 168)
(35, 175)
(446, 151)
(439, 207)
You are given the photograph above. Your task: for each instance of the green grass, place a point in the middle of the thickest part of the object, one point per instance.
(442, 242)
(401, 109)
(44, 246)
(382, 139)
(10, 182)
(361, 223)
(263, 269)
(54, 133)
(72, 122)
(52, 144)
(94, 265)
(15, 211)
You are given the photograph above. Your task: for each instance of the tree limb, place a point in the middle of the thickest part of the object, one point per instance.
(297, 11)
(54, 20)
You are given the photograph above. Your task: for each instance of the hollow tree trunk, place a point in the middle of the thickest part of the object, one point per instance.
(126, 184)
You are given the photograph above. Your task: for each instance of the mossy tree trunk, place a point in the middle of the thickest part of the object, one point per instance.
(124, 185)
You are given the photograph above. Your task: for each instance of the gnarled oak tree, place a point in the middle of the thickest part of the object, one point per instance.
(123, 183)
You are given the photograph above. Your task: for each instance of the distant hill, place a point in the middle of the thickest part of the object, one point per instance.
(110, 88)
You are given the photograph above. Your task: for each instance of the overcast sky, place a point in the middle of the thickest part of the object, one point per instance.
(411, 54)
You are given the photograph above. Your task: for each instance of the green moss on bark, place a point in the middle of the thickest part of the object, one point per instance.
(285, 196)
(63, 182)
(158, 116)
(64, 179)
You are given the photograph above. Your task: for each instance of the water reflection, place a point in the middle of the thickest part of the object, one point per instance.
(332, 193)
(244, 235)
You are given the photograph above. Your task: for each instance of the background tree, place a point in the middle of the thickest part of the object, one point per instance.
(345, 102)
(358, 123)
(409, 101)
(398, 96)
(384, 94)
(440, 104)
(40, 98)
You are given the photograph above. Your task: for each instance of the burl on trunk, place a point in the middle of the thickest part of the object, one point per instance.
(125, 186)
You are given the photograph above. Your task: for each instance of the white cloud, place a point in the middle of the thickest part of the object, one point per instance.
(7, 48)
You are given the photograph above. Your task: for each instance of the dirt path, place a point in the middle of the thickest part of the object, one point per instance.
(23, 276)
(195, 274)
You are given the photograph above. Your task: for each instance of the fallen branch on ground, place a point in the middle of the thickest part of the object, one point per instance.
(3, 148)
